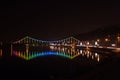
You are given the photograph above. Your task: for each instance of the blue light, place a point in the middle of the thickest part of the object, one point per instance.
(38, 54)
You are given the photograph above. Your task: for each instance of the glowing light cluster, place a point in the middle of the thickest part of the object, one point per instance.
(67, 53)
(90, 55)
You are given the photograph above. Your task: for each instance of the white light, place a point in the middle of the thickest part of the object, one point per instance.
(113, 45)
(81, 52)
(96, 54)
(96, 43)
(81, 43)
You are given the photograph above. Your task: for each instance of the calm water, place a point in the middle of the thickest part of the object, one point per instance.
(65, 52)
(49, 63)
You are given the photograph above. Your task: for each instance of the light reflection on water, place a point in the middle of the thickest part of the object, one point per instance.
(67, 52)
(0, 52)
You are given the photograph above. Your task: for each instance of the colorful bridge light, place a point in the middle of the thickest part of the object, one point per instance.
(36, 54)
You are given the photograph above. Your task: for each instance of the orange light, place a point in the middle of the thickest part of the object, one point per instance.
(98, 40)
(118, 37)
(106, 40)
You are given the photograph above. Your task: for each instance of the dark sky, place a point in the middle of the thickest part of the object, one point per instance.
(53, 19)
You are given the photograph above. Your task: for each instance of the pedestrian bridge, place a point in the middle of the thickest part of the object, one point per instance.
(70, 41)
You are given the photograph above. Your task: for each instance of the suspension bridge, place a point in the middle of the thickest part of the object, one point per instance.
(57, 47)
(64, 42)
(64, 47)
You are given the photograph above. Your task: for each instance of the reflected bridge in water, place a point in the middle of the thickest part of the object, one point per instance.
(30, 48)
(66, 52)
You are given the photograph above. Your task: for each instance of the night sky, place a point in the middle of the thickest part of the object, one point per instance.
(53, 20)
